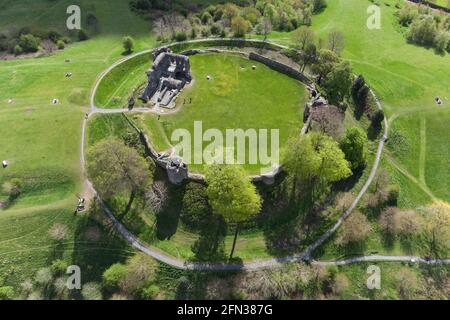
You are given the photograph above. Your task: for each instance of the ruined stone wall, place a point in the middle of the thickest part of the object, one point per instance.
(280, 67)
(431, 5)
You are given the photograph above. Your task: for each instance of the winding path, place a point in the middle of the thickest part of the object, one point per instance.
(257, 264)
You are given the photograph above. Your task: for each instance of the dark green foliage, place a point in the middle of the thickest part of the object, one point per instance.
(196, 209)
(377, 118)
(82, 35)
(29, 43)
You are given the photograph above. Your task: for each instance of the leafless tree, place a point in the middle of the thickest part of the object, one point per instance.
(336, 41)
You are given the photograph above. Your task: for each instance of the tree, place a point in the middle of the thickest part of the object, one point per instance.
(115, 168)
(354, 229)
(377, 118)
(325, 63)
(114, 275)
(437, 228)
(336, 41)
(232, 195)
(309, 55)
(59, 232)
(6, 293)
(303, 37)
(407, 283)
(195, 210)
(322, 162)
(240, 26)
(354, 146)
(319, 5)
(128, 44)
(339, 82)
(140, 270)
(158, 196)
(423, 31)
(266, 26)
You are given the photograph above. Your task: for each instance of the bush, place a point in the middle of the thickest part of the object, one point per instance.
(216, 29)
(91, 291)
(60, 44)
(195, 207)
(6, 293)
(29, 43)
(59, 267)
(181, 36)
(82, 35)
(13, 188)
(354, 229)
(113, 276)
(423, 31)
(128, 43)
(151, 292)
(377, 118)
(393, 194)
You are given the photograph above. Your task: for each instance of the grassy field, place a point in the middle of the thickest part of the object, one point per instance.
(42, 140)
(237, 97)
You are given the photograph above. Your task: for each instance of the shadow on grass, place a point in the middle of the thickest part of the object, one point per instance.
(97, 246)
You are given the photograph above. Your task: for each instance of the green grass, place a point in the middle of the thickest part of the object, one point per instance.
(118, 85)
(237, 97)
(42, 140)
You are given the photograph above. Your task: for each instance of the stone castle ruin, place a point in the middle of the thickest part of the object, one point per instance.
(167, 77)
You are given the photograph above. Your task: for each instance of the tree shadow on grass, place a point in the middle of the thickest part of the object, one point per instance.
(97, 246)
(167, 220)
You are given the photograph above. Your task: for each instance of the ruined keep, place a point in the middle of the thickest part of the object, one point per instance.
(167, 77)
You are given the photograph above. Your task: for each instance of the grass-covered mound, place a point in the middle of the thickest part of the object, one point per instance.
(236, 97)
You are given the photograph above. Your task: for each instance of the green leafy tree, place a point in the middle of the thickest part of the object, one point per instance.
(437, 228)
(240, 26)
(115, 168)
(128, 44)
(309, 55)
(303, 37)
(325, 63)
(315, 160)
(338, 82)
(232, 195)
(114, 275)
(354, 146)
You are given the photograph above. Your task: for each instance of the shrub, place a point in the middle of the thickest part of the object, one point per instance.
(6, 293)
(423, 31)
(216, 29)
(128, 43)
(151, 292)
(59, 232)
(91, 291)
(114, 275)
(181, 36)
(13, 188)
(82, 35)
(377, 118)
(60, 44)
(59, 267)
(354, 146)
(29, 43)
(240, 26)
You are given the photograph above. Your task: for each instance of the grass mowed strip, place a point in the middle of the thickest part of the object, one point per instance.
(236, 97)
